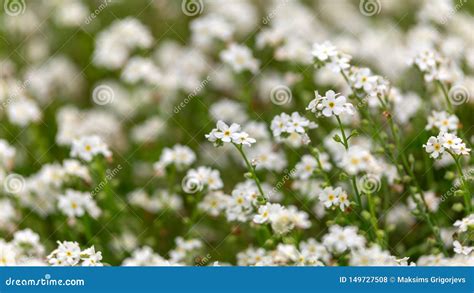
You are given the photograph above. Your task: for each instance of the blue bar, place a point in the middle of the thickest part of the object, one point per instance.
(238, 279)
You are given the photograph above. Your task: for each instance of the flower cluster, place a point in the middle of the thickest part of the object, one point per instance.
(75, 204)
(206, 177)
(433, 66)
(292, 127)
(229, 134)
(216, 140)
(179, 156)
(334, 197)
(68, 253)
(330, 104)
(282, 219)
(436, 146)
(327, 54)
(87, 147)
(443, 121)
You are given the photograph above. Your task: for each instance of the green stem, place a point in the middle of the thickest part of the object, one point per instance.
(422, 206)
(353, 178)
(254, 174)
(373, 219)
(466, 193)
(446, 96)
(326, 177)
(344, 138)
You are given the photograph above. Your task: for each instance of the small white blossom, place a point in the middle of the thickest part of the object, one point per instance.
(87, 147)
(330, 104)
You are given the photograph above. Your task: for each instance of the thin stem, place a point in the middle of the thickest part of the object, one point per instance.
(344, 138)
(326, 177)
(466, 193)
(353, 177)
(373, 219)
(422, 206)
(346, 146)
(252, 170)
(356, 191)
(446, 96)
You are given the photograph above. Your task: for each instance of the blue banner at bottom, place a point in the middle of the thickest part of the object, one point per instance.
(237, 279)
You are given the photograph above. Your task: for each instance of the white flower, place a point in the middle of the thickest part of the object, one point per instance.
(358, 159)
(75, 204)
(330, 197)
(243, 138)
(443, 121)
(23, 111)
(305, 168)
(343, 200)
(330, 104)
(434, 147)
(226, 133)
(339, 63)
(228, 110)
(460, 249)
(7, 154)
(8, 254)
(86, 147)
(207, 28)
(114, 44)
(179, 155)
(141, 69)
(450, 141)
(28, 242)
(445, 141)
(362, 78)
(263, 215)
(426, 60)
(324, 51)
(207, 176)
(67, 254)
(287, 125)
(240, 58)
(214, 203)
(91, 258)
(464, 224)
(341, 238)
